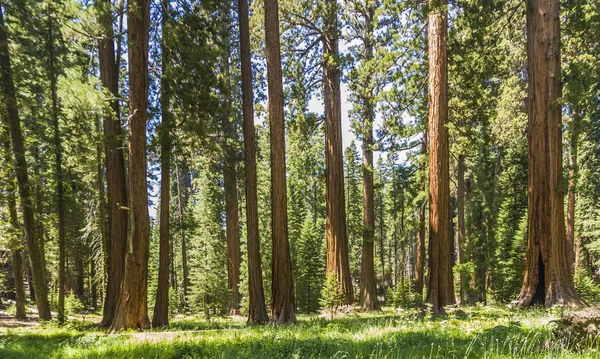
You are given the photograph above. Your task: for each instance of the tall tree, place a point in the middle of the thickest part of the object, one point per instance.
(282, 288)
(132, 308)
(440, 288)
(257, 312)
(36, 260)
(160, 317)
(337, 238)
(548, 278)
(116, 187)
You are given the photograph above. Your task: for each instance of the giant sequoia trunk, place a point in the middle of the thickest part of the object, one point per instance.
(421, 254)
(257, 312)
(548, 277)
(132, 308)
(335, 222)
(440, 288)
(36, 259)
(282, 295)
(160, 317)
(116, 193)
(368, 295)
(229, 175)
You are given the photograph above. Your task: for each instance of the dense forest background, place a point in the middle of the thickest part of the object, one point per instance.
(74, 73)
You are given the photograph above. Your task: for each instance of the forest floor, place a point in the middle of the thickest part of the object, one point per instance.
(471, 332)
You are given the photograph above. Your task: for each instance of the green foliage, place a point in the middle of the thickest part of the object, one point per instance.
(310, 268)
(331, 294)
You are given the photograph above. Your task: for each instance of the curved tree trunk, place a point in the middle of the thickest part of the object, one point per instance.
(132, 308)
(160, 317)
(440, 289)
(257, 312)
(36, 259)
(116, 188)
(548, 277)
(282, 305)
(335, 222)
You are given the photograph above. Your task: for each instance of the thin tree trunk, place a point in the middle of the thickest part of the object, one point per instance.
(337, 237)
(14, 123)
(460, 199)
(132, 307)
(282, 294)
(116, 184)
(257, 312)
(440, 289)
(548, 277)
(573, 170)
(160, 317)
(229, 174)
(101, 225)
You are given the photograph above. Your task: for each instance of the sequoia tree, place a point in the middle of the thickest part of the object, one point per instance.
(440, 287)
(335, 223)
(548, 278)
(36, 259)
(116, 188)
(282, 297)
(132, 307)
(257, 312)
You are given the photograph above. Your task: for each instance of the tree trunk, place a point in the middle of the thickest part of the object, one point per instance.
(116, 184)
(160, 317)
(460, 199)
(337, 238)
(257, 312)
(282, 294)
(132, 307)
(421, 255)
(548, 277)
(229, 174)
(440, 289)
(101, 225)
(14, 123)
(573, 170)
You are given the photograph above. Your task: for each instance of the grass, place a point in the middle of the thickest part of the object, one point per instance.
(480, 332)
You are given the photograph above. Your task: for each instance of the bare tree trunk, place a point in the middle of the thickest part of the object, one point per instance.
(368, 295)
(460, 198)
(132, 308)
(573, 170)
(257, 312)
(116, 185)
(160, 317)
(337, 237)
(14, 124)
(440, 289)
(421, 255)
(229, 173)
(548, 277)
(282, 296)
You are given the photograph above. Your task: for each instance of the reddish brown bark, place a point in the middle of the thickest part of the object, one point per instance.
(440, 288)
(34, 250)
(282, 295)
(257, 312)
(548, 277)
(335, 222)
(116, 188)
(132, 307)
(160, 318)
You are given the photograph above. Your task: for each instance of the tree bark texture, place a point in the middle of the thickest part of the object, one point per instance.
(335, 222)
(36, 259)
(548, 277)
(440, 289)
(132, 308)
(257, 312)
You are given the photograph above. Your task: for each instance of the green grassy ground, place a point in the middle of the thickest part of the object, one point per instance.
(483, 332)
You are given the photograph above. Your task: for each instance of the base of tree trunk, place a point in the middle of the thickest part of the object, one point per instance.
(580, 327)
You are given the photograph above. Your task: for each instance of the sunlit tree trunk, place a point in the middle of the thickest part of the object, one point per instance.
(440, 289)
(132, 307)
(14, 124)
(257, 312)
(548, 277)
(335, 222)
